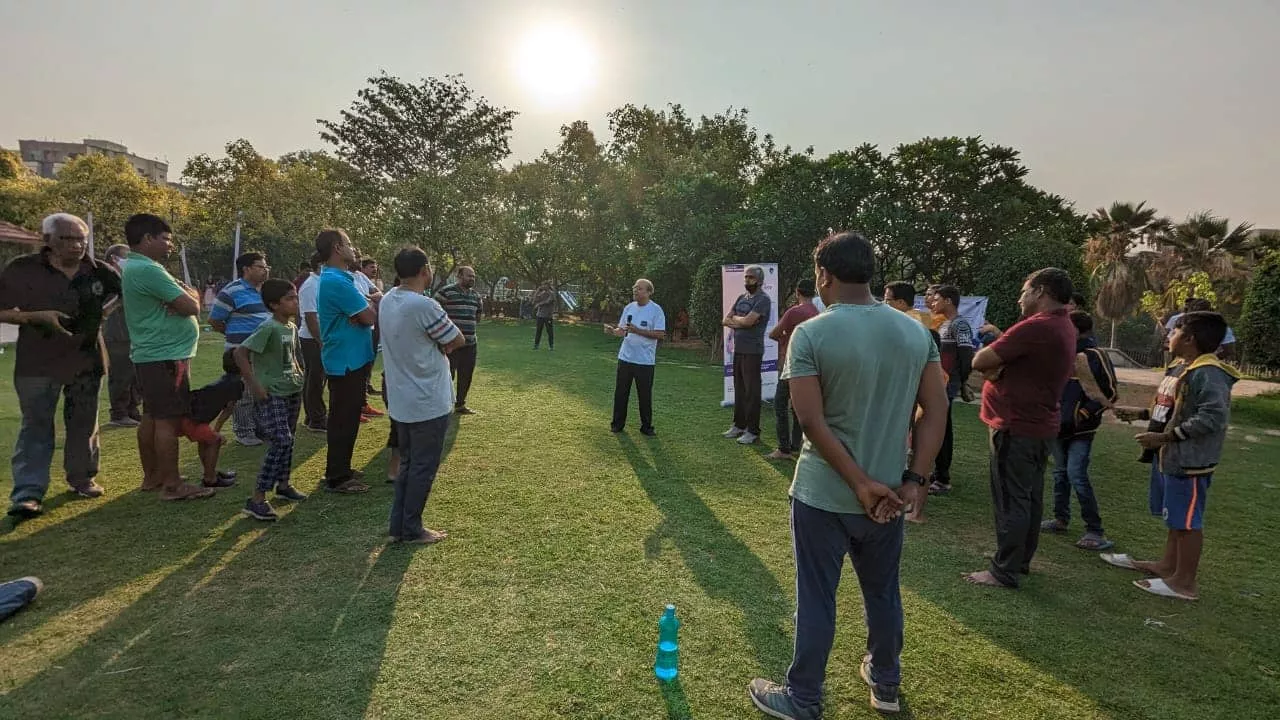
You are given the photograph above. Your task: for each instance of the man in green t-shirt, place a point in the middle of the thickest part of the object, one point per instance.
(161, 314)
(856, 373)
(268, 362)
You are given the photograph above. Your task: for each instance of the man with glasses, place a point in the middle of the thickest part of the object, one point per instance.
(58, 298)
(236, 313)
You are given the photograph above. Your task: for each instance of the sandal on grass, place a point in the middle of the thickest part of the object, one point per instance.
(1053, 525)
(937, 488)
(1120, 560)
(350, 487)
(1157, 586)
(1094, 542)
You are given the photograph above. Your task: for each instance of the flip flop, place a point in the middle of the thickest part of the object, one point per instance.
(1157, 586)
(1120, 560)
(1094, 542)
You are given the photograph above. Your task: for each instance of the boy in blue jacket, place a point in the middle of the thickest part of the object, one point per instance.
(1183, 443)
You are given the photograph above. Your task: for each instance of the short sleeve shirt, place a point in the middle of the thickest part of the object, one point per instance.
(1039, 356)
(868, 360)
(635, 348)
(240, 306)
(345, 346)
(32, 283)
(155, 334)
(463, 307)
(794, 315)
(308, 296)
(414, 329)
(750, 341)
(274, 348)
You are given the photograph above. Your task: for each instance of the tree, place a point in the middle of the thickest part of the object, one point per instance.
(1002, 274)
(1111, 256)
(24, 196)
(395, 130)
(1257, 324)
(112, 190)
(1205, 243)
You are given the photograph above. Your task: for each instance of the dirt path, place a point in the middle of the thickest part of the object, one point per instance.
(1151, 378)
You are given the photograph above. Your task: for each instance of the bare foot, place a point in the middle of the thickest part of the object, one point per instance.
(984, 578)
(778, 455)
(915, 516)
(1152, 567)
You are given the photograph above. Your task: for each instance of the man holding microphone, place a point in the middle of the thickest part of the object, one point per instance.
(642, 325)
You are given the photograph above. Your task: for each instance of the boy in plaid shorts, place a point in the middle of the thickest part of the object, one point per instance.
(268, 362)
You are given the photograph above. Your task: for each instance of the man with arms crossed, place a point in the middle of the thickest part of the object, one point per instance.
(748, 318)
(857, 372)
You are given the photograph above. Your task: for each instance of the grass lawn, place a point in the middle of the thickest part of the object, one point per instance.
(566, 542)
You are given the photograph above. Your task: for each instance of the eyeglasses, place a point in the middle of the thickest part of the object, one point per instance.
(261, 267)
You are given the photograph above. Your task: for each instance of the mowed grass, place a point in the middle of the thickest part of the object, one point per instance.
(566, 542)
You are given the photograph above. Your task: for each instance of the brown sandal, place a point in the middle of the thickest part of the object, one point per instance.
(350, 487)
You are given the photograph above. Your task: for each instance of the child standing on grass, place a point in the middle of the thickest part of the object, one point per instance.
(268, 362)
(1183, 443)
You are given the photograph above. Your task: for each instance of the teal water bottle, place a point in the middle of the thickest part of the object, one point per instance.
(666, 664)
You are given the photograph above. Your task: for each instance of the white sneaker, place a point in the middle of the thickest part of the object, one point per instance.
(733, 432)
(747, 439)
(249, 441)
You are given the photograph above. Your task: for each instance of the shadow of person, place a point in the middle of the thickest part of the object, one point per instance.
(722, 565)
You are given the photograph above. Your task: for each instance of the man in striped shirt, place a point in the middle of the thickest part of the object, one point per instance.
(236, 313)
(462, 304)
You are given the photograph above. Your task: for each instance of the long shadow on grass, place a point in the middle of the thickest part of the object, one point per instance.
(723, 566)
(282, 620)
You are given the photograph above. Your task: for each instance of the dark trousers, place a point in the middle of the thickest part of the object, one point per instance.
(942, 464)
(37, 438)
(1071, 471)
(821, 540)
(314, 412)
(462, 364)
(642, 375)
(746, 392)
(790, 436)
(421, 445)
(1017, 493)
(122, 383)
(551, 332)
(346, 399)
(15, 595)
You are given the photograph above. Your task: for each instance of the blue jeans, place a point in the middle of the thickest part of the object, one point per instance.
(821, 540)
(15, 595)
(33, 453)
(1071, 471)
(421, 445)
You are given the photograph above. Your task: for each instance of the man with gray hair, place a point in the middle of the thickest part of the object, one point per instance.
(748, 318)
(58, 298)
(122, 381)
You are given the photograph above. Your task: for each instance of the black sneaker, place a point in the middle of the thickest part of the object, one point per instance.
(884, 698)
(259, 511)
(289, 492)
(318, 428)
(26, 509)
(648, 431)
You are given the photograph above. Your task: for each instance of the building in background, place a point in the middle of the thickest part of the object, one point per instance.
(46, 157)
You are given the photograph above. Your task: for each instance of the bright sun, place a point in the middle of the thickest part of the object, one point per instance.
(555, 63)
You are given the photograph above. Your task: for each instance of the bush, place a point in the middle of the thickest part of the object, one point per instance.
(1001, 274)
(1257, 326)
(705, 301)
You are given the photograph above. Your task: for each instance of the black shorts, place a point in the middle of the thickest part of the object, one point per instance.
(166, 388)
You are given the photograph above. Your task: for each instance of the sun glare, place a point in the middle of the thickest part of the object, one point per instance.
(556, 64)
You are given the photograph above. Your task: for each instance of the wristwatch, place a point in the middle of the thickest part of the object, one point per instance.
(914, 477)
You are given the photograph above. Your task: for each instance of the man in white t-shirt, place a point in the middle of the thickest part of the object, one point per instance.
(315, 415)
(641, 326)
(417, 334)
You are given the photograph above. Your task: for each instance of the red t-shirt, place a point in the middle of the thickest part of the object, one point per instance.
(794, 315)
(1039, 355)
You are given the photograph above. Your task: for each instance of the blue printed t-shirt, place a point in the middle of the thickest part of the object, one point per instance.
(868, 360)
(155, 334)
(636, 349)
(344, 345)
(240, 306)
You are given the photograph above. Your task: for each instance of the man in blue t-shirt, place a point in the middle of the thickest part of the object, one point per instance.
(237, 312)
(641, 326)
(346, 350)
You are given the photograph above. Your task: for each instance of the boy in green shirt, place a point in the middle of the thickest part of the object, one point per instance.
(268, 362)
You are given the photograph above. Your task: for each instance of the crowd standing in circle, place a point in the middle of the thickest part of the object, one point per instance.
(865, 395)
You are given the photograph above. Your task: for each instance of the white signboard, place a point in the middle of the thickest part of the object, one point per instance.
(730, 288)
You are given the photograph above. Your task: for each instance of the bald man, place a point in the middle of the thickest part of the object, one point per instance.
(462, 304)
(57, 297)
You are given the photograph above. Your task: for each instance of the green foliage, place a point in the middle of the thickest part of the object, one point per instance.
(1257, 325)
(1197, 285)
(706, 300)
(112, 190)
(24, 196)
(1007, 266)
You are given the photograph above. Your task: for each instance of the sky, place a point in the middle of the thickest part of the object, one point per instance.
(1170, 103)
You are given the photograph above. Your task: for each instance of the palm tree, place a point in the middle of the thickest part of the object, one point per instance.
(1207, 243)
(1113, 256)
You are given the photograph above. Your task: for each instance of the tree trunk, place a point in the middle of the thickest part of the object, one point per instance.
(1113, 334)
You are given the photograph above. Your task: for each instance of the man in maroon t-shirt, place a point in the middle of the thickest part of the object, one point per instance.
(1026, 368)
(790, 435)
